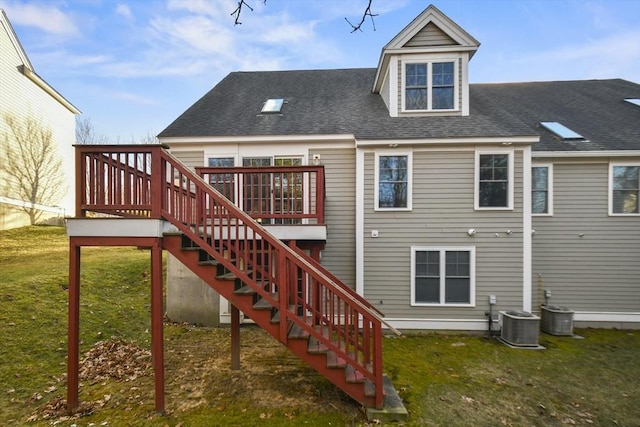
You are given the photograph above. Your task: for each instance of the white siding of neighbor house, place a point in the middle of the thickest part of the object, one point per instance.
(443, 211)
(600, 271)
(22, 98)
(340, 177)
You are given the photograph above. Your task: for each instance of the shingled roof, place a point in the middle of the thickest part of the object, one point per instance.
(330, 102)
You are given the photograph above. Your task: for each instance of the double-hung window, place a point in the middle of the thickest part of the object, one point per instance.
(443, 276)
(429, 86)
(624, 189)
(393, 181)
(542, 190)
(494, 180)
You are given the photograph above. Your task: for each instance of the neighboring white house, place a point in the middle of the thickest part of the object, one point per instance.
(24, 94)
(443, 196)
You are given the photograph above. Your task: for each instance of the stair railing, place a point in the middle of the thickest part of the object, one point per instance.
(147, 181)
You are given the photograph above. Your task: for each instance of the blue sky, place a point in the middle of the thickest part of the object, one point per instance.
(132, 67)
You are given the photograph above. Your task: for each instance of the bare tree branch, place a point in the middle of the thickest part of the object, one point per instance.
(367, 12)
(86, 135)
(32, 165)
(236, 13)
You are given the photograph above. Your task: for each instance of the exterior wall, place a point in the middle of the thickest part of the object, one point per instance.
(192, 159)
(442, 212)
(22, 98)
(340, 251)
(385, 93)
(190, 299)
(430, 35)
(590, 261)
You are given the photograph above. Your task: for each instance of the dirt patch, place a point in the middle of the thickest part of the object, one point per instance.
(198, 374)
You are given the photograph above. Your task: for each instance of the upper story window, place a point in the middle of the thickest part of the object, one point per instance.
(542, 189)
(430, 86)
(624, 189)
(494, 180)
(393, 181)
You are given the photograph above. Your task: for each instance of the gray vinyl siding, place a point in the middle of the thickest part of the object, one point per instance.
(600, 271)
(340, 182)
(192, 159)
(430, 35)
(443, 211)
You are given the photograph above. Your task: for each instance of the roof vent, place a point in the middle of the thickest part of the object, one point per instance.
(272, 105)
(562, 131)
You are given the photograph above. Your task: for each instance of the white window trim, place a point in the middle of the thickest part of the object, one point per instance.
(549, 167)
(443, 250)
(476, 186)
(429, 62)
(376, 201)
(610, 189)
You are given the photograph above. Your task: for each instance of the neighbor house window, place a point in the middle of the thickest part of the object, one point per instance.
(541, 190)
(393, 181)
(443, 276)
(429, 86)
(624, 189)
(494, 180)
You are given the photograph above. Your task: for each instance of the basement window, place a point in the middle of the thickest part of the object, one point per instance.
(272, 106)
(562, 131)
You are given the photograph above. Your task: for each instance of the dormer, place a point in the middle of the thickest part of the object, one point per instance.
(423, 71)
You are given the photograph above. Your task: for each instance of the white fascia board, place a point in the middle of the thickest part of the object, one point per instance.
(515, 140)
(48, 89)
(430, 49)
(117, 227)
(611, 153)
(342, 138)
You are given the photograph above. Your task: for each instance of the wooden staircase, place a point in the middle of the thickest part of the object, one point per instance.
(284, 291)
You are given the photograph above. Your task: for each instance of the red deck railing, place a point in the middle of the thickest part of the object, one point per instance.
(272, 194)
(137, 180)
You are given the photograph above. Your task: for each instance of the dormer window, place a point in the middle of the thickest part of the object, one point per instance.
(430, 86)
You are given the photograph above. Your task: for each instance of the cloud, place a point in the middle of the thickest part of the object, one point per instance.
(124, 11)
(616, 55)
(47, 18)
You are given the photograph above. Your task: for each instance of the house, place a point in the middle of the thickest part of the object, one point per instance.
(441, 193)
(26, 95)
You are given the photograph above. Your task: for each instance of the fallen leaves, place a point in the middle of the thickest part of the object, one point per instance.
(117, 359)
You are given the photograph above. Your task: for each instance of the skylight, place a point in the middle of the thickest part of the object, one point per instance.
(273, 105)
(634, 101)
(561, 130)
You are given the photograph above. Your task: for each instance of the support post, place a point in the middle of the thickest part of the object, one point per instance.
(73, 331)
(157, 335)
(235, 338)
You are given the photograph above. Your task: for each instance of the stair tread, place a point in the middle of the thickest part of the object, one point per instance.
(316, 346)
(245, 290)
(335, 361)
(230, 275)
(212, 262)
(353, 375)
(297, 332)
(263, 304)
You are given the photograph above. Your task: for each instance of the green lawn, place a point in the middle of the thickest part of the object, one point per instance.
(452, 380)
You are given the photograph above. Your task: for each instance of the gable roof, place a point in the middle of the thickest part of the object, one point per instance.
(431, 31)
(26, 67)
(323, 102)
(338, 102)
(595, 109)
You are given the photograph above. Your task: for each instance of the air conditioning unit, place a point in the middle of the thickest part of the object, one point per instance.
(556, 320)
(520, 328)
